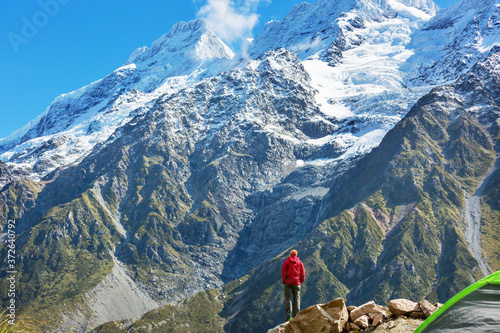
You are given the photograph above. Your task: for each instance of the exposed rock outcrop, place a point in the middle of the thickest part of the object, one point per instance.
(331, 317)
(336, 317)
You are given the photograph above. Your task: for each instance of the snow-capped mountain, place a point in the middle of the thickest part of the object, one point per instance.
(366, 60)
(75, 122)
(187, 167)
(185, 47)
(452, 41)
(330, 26)
(353, 51)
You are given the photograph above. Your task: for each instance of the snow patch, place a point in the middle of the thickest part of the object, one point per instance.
(408, 11)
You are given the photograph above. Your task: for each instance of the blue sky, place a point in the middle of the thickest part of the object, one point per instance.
(51, 47)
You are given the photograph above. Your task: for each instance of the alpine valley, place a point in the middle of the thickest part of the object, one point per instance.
(165, 196)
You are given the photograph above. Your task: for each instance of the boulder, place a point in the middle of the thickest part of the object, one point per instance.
(385, 310)
(379, 319)
(331, 317)
(417, 315)
(338, 311)
(278, 329)
(427, 308)
(351, 327)
(351, 307)
(379, 310)
(401, 306)
(362, 310)
(363, 321)
(400, 325)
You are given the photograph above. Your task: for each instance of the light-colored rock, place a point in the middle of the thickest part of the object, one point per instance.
(402, 306)
(351, 327)
(379, 311)
(334, 317)
(417, 315)
(362, 310)
(116, 297)
(363, 321)
(400, 325)
(351, 307)
(379, 319)
(386, 311)
(338, 311)
(427, 308)
(328, 318)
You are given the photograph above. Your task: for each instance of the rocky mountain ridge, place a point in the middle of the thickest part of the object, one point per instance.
(462, 38)
(330, 27)
(75, 122)
(398, 202)
(401, 315)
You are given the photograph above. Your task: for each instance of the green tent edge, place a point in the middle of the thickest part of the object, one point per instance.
(490, 279)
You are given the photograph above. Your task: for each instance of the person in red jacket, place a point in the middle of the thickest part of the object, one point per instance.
(293, 275)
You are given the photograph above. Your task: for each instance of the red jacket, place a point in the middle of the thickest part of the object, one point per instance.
(293, 271)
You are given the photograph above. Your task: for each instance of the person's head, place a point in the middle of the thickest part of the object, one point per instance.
(293, 253)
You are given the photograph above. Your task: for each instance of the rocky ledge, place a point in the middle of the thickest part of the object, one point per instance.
(401, 315)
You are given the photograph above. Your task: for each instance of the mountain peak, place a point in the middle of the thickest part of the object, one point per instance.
(308, 28)
(196, 24)
(192, 40)
(75, 122)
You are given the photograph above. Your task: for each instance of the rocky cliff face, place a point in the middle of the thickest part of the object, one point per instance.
(200, 175)
(5, 174)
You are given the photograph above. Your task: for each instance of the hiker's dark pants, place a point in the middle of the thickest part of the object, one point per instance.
(290, 291)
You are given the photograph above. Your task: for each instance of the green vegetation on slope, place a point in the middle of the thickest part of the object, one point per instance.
(65, 255)
(490, 217)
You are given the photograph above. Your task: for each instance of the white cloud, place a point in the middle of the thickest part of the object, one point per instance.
(229, 20)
